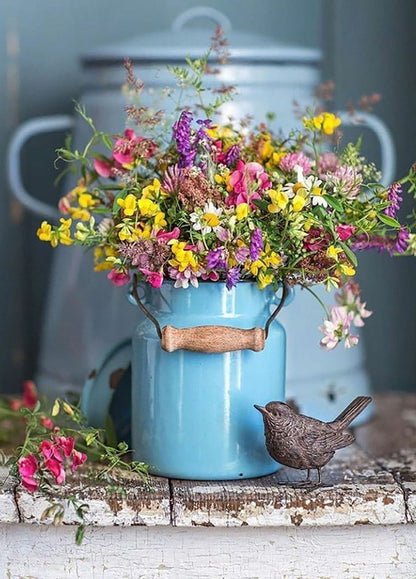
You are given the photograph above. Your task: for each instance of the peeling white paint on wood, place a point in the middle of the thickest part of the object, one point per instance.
(8, 508)
(363, 552)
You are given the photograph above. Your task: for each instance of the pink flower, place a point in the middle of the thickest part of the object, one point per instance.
(287, 163)
(246, 181)
(346, 181)
(29, 398)
(66, 444)
(53, 460)
(328, 163)
(345, 231)
(103, 168)
(28, 466)
(78, 458)
(153, 277)
(349, 297)
(46, 422)
(337, 328)
(316, 240)
(165, 236)
(118, 278)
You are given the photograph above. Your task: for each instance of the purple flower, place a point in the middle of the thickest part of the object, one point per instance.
(215, 258)
(394, 198)
(233, 275)
(241, 254)
(381, 243)
(182, 136)
(401, 240)
(232, 155)
(256, 244)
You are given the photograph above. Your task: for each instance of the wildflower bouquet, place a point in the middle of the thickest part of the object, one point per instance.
(227, 202)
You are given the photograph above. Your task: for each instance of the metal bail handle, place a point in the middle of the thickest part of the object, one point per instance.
(210, 339)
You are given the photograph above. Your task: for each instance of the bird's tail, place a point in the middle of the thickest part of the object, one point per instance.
(352, 410)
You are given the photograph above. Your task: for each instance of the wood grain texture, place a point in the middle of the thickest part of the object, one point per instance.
(364, 552)
(212, 339)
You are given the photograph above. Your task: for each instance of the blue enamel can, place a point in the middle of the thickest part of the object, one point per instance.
(192, 412)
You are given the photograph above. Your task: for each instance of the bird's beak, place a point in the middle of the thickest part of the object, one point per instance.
(260, 409)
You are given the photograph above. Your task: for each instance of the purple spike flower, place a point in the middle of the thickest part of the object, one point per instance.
(215, 258)
(232, 155)
(233, 276)
(182, 136)
(394, 198)
(390, 244)
(401, 240)
(256, 244)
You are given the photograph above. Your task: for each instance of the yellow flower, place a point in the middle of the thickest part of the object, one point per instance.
(272, 259)
(152, 191)
(218, 132)
(279, 200)
(160, 220)
(82, 232)
(299, 201)
(101, 254)
(242, 211)
(183, 257)
(264, 279)
(256, 266)
(86, 200)
(345, 269)
(45, 231)
(326, 122)
(64, 232)
(127, 231)
(128, 204)
(211, 219)
(332, 252)
(147, 207)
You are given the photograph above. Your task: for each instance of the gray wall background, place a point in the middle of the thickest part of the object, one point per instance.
(369, 47)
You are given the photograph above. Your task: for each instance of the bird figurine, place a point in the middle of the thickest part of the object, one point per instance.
(303, 442)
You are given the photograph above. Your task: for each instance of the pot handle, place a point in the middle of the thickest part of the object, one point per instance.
(383, 133)
(210, 339)
(202, 12)
(23, 133)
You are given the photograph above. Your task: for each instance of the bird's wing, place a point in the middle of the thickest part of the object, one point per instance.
(324, 438)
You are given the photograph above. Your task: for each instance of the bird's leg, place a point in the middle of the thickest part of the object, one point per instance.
(308, 476)
(319, 475)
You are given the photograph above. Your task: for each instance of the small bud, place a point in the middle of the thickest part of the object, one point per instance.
(67, 408)
(56, 408)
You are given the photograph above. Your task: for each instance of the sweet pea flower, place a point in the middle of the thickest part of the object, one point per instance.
(27, 467)
(78, 458)
(345, 231)
(53, 461)
(246, 181)
(103, 168)
(29, 398)
(165, 236)
(155, 278)
(118, 278)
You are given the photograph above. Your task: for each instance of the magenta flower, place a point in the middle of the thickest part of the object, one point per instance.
(246, 181)
(27, 467)
(345, 231)
(123, 151)
(103, 168)
(155, 278)
(165, 236)
(53, 461)
(78, 458)
(288, 162)
(66, 444)
(118, 278)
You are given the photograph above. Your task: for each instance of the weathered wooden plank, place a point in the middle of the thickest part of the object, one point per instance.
(356, 490)
(8, 508)
(130, 502)
(364, 551)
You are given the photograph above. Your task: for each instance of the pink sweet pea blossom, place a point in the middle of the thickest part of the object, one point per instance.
(118, 278)
(165, 236)
(66, 444)
(155, 278)
(46, 422)
(246, 181)
(103, 168)
(28, 466)
(29, 398)
(53, 460)
(345, 231)
(78, 458)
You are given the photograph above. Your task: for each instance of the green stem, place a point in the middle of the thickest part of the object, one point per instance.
(318, 299)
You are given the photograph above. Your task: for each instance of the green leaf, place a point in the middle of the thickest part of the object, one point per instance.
(390, 221)
(350, 254)
(79, 536)
(261, 204)
(334, 203)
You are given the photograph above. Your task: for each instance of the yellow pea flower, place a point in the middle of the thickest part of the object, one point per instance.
(256, 266)
(279, 200)
(345, 269)
(298, 202)
(152, 191)
(147, 207)
(128, 204)
(242, 211)
(332, 252)
(326, 122)
(86, 200)
(264, 279)
(160, 220)
(44, 232)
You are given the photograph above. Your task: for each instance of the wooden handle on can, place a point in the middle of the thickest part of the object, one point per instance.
(212, 339)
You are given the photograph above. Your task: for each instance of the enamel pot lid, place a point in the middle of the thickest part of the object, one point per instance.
(187, 37)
